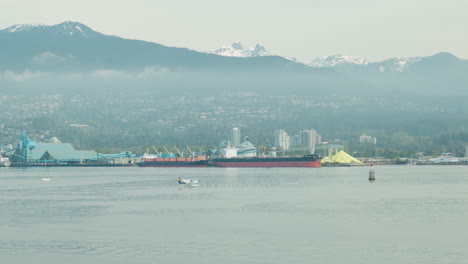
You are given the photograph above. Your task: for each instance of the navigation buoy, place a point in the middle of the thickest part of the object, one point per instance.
(371, 173)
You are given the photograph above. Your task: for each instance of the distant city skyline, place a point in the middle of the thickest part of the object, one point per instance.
(376, 30)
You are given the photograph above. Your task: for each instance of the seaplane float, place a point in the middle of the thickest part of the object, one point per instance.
(189, 182)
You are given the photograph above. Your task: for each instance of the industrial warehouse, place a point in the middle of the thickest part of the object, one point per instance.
(55, 153)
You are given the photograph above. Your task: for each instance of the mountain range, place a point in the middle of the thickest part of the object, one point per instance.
(72, 46)
(237, 50)
(338, 62)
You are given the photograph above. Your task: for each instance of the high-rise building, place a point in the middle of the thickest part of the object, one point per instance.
(235, 136)
(282, 139)
(295, 141)
(367, 139)
(310, 138)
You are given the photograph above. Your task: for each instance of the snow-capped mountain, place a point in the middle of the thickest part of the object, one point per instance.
(76, 46)
(336, 60)
(344, 63)
(237, 50)
(397, 64)
(24, 27)
(73, 46)
(64, 28)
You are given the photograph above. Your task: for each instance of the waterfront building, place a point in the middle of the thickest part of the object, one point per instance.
(246, 149)
(29, 151)
(282, 139)
(235, 136)
(60, 153)
(309, 139)
(367, 139)
(295, 141)
(230, 152)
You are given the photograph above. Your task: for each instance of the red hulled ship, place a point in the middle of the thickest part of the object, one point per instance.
(197, 161)
(307, 161)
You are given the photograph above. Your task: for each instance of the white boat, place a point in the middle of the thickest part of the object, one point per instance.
(45, 179)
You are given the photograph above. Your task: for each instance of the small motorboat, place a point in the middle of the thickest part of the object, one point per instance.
(45, 179)
(189, 182)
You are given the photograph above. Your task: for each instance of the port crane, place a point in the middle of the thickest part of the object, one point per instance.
(156, 150)
(168, 152)
(329, 148)
(181, 154)
(191, 152)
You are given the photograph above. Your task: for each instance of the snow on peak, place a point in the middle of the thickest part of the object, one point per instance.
(259, 50)
(24, 27)
(237, 50)
(397, 64)
(65, 28)
(72, 28)
(336, 60)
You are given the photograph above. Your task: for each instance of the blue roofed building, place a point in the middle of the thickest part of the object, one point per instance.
(61, 153)
(29, 151)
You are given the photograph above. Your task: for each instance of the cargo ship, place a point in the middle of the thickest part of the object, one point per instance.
(307, 161)
(197, 161)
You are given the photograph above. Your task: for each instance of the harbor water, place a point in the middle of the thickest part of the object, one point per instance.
(409, 214)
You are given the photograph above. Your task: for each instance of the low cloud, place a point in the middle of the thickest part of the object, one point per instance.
(152, 71)
(100, 74)
(148, 72)
(49, 59)
(27, 75)
(108, 73)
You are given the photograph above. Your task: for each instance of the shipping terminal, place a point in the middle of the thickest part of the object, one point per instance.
(53, 153)
(244, 155)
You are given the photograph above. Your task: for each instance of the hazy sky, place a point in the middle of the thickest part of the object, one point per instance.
(376, 29)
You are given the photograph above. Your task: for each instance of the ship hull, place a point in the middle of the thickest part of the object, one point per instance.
(314, 164)
(196, 164)
(288, 162)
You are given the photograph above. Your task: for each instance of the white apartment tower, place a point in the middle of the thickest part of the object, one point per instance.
(310, 138)
(282, 139)
(367, 139)
(235, 136)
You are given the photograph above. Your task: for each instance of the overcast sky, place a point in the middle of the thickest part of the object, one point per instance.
(375, 29)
